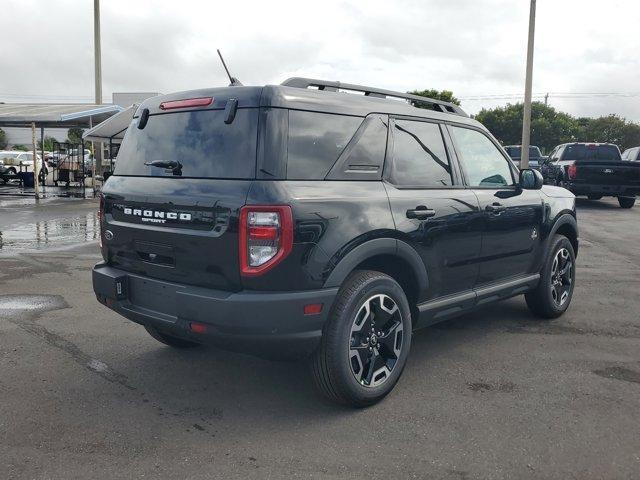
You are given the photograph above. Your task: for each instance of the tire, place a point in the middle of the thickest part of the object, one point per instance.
(363, 375)
(12, 170)
(550, 299)
(174, 342)
(594, 197)
(626, 202)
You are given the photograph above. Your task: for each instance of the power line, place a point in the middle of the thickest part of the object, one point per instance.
(562, 95)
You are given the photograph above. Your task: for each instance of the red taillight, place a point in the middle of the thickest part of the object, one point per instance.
(572, 171)
(266, 237)
(189, 102)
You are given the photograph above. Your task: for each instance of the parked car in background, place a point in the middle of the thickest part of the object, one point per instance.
(14, 159)
(594, 170)
(631, 154)
(535, 155)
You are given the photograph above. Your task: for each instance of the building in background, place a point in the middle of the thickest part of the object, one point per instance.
(22, 135)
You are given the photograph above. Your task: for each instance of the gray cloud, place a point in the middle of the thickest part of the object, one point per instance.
(473, 47)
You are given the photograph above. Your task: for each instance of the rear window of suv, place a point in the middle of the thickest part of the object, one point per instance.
(200, 140)
(591, 152)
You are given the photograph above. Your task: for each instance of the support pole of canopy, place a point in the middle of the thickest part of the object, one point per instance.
(42, 155)
(36, 164)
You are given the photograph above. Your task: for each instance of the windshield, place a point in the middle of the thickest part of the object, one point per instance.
(591, 152)
(200, 141)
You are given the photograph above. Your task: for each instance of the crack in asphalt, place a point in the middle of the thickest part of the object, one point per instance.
(619, 373)
(23, 310)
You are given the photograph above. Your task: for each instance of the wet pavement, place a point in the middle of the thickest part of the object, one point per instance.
(27, 224)
(495, 394)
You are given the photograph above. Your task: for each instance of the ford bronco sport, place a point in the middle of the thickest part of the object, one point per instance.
(305, 220)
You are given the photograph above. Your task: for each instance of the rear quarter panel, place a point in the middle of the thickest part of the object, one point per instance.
(330, 219)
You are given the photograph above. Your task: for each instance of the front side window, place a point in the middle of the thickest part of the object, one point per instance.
(419, 155)
(483, 163)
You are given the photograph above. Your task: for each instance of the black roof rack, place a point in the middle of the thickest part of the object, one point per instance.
(301, 82)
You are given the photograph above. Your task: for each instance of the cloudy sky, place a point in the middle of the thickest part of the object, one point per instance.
(476, 48)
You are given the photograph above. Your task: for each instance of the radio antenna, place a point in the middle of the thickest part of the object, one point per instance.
(234, 81)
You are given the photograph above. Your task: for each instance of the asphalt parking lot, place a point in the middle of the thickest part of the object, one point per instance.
(85, 393)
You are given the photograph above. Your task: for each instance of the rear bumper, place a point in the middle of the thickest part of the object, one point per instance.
(604, 190)
(261, 323)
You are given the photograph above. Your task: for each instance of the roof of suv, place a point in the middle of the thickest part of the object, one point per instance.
(295, 94)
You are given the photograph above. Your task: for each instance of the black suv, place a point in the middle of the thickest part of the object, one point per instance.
(304, 220)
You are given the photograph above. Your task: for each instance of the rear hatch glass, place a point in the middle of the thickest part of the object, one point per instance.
(181, 227)
(204, 145)
(594, 153)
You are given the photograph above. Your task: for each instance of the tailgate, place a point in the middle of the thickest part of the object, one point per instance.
(608, 173)
(179, 230)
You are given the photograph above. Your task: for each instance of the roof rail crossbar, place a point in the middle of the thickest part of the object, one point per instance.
(326, 85)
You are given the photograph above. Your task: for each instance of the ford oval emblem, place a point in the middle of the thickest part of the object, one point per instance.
(108, 235)
(607, 170)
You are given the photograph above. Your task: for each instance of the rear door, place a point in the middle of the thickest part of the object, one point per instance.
(430, 207)
(512, 217)
(181, 224)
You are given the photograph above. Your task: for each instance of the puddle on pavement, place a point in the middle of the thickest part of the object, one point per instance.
(30, 302)
(50, 233)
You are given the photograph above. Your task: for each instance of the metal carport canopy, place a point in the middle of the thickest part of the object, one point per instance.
(46, 115)
(113, 128)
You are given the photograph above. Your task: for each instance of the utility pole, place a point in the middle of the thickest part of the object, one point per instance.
(97, 55)
(526, 120)
(546, 100)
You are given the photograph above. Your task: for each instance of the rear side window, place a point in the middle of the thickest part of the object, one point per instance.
(483, 163)
(419, 155)
(205, 146)
(591, 152)
(316, 140)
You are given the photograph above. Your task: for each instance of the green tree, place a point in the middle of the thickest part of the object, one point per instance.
(444, 95)
(610, 129)
(22, 148)
(74, 135)
(548, 126)
(3, 140)
(48, 143)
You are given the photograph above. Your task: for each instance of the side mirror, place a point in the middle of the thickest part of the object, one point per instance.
(531, 179)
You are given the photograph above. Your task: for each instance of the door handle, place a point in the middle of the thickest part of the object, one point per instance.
(421, 212)
(495, 208)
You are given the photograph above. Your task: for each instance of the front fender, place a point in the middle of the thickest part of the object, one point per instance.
(562, 221)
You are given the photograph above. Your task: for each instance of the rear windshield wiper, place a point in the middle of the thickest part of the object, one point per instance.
(175, 167)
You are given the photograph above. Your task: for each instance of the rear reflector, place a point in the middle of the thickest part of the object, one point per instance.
(312, 309)
(189, 102)
(196, 327)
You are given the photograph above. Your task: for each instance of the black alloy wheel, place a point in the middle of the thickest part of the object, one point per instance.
(376, 340)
